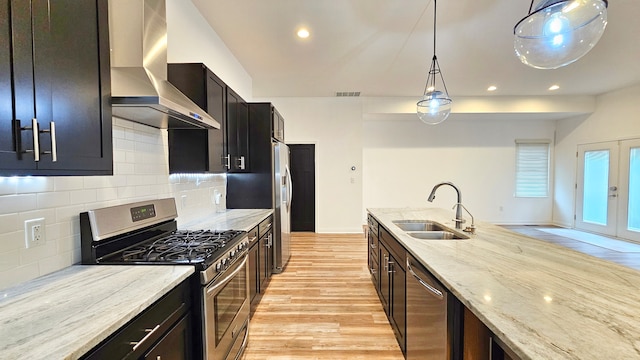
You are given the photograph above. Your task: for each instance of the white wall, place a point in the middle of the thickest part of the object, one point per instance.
(615, 118)
(404, 158)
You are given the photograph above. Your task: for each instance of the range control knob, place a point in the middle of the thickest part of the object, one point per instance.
(232, 254)
(219, 266)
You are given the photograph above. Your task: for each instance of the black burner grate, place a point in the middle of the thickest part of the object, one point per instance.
(182, 246)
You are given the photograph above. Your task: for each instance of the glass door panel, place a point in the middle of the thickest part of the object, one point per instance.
(633, 216)
(629, 221)
(597, 188)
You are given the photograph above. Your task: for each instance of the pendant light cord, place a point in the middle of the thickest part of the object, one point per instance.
(435, 11)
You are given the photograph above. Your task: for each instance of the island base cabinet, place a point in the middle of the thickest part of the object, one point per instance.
(479, 342)
(392, 290)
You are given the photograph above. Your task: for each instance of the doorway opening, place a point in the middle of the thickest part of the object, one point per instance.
(303, 176)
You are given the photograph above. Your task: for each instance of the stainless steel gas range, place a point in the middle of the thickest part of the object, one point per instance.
(145, 233)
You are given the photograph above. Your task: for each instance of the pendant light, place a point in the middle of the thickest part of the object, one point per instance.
(559, 32)
(435, 105)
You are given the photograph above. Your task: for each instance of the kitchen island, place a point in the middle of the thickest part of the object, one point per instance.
(542, 301)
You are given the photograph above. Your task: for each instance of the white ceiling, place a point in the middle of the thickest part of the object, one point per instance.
(384, 47)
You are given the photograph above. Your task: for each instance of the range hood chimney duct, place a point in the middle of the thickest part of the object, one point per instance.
(139, 86)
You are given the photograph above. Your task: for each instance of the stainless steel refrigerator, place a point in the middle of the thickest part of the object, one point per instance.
(283, 190)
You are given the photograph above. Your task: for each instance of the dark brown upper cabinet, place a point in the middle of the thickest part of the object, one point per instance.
(237, 132)
(55, 88)
(199, 150)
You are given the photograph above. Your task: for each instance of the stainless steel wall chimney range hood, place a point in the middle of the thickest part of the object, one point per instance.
(139, 86)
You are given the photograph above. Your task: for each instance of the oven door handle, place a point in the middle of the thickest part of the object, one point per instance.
(228, 277)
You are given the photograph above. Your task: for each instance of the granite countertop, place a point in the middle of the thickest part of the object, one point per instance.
(65, 314)
(234, 219)
(542, 300)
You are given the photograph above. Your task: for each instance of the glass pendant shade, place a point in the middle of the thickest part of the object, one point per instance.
(434, 107)
(559, 32)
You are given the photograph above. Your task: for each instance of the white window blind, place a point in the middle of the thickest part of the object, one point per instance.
(532, 168)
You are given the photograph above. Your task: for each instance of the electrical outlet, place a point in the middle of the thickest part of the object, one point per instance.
(34, 233)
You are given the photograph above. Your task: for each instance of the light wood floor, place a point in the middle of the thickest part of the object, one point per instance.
(323, 306)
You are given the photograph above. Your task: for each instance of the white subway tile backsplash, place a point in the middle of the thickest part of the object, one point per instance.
(106, 194)
(122, 144)
(123, 169)
(11, 241)
(53, 263)
(68, 183)
(119, 156)
(33, 184)
(34, 254)
(9, 223)
(8, 185)
(83, 196)
(48, 214)
(17, 203)
(9, 260)
(126, 192)
(18, 274)
(118, 132)
(54, 199)
(67, 244)
(141, 173)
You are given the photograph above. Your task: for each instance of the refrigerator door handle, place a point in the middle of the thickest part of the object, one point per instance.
(289, 187)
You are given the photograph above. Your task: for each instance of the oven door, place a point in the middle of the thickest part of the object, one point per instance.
(226, 312)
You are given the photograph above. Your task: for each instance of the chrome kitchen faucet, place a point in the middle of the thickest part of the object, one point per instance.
(458, 205)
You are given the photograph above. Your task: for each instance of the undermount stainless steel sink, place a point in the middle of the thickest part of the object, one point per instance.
(436, 235)
(418, 225)
(428, 230)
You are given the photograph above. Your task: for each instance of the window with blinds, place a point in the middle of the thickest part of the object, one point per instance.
(532, 168)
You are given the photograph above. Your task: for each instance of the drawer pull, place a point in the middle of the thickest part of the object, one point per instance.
(150, 332)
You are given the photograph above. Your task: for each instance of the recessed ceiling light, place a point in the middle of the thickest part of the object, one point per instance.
(492, 88)
(303, 33)
(554, 87)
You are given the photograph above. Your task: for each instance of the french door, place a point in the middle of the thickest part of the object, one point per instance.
(608, 188)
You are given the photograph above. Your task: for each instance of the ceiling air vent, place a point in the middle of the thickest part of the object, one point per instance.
(348, 93)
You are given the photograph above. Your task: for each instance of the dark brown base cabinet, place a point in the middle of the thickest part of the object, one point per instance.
(260, 260)
(392, 270)
(162, 331)
(55, 73)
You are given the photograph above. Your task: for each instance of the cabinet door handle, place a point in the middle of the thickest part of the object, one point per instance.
(241, 163)
(54, 145)
(227, 161)
(36, 139)
(391, 267)
(136, 344)
(386, 263)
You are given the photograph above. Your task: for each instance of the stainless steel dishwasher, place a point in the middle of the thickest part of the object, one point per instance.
(427, 315)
